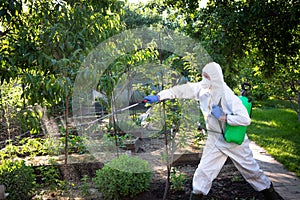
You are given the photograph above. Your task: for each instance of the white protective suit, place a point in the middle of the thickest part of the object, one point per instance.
(216, 150)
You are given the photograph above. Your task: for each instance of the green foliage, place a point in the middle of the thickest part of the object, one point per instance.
(177, 180)
(199, 138)
(30, 120)
(48, 177)
(10, 105)
(18, 179)
(17, 115)
(32, 147)
(41, 146)
(237, 178)
(276, 129)
(84, 186)
(46, 42)
(137, 15)
(10, 151)
(253, 24)
(75, 144)
(109, 80)
(254, 36)
(26, 147)
(123, 177)
(9, 9)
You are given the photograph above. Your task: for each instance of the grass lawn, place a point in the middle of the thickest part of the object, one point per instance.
(275, 127)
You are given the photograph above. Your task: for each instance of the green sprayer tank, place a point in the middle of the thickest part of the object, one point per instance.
(236, 134)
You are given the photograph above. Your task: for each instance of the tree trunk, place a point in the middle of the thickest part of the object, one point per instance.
(298, 107)
(67, 132)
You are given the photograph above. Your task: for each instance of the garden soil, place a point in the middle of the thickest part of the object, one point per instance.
(229, 185)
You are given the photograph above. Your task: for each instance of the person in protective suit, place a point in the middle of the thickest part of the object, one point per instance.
(218, 103)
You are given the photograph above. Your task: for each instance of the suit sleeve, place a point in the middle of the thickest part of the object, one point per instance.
(185, 91)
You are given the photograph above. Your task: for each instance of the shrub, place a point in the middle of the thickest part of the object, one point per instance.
(19, 179)
(177, 180)
(123, 177)
(47, 177)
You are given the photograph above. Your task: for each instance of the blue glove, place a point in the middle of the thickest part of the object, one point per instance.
(216, 111)
(151, 98)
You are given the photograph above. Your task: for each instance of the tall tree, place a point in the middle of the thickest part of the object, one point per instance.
(43, 44)
(46, 43)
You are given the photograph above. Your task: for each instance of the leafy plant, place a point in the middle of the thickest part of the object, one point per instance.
(75, 144)
(237, 178)
(19, 179)
(124, 176)
(85, 185)
(47, 176)
(119, 139)
(9, 151)
(177, 180)
(32, 147)
(29, 119)
(28, 147)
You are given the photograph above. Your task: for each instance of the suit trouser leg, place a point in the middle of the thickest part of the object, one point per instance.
(211, 163)
(213, 159)
(243, 160)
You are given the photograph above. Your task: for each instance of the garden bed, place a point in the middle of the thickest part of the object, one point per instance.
(228, 185)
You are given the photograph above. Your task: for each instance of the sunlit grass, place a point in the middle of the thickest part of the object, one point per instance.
(277, 130)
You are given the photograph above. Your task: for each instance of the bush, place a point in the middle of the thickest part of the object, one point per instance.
(19, 179)
(47, 177)
(123, 177)
(177, 180)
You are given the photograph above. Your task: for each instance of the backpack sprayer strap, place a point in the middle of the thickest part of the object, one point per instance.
(220, 123)
(200, 127)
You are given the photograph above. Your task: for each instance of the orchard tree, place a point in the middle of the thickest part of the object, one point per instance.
(43, 44)
(46, 42)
